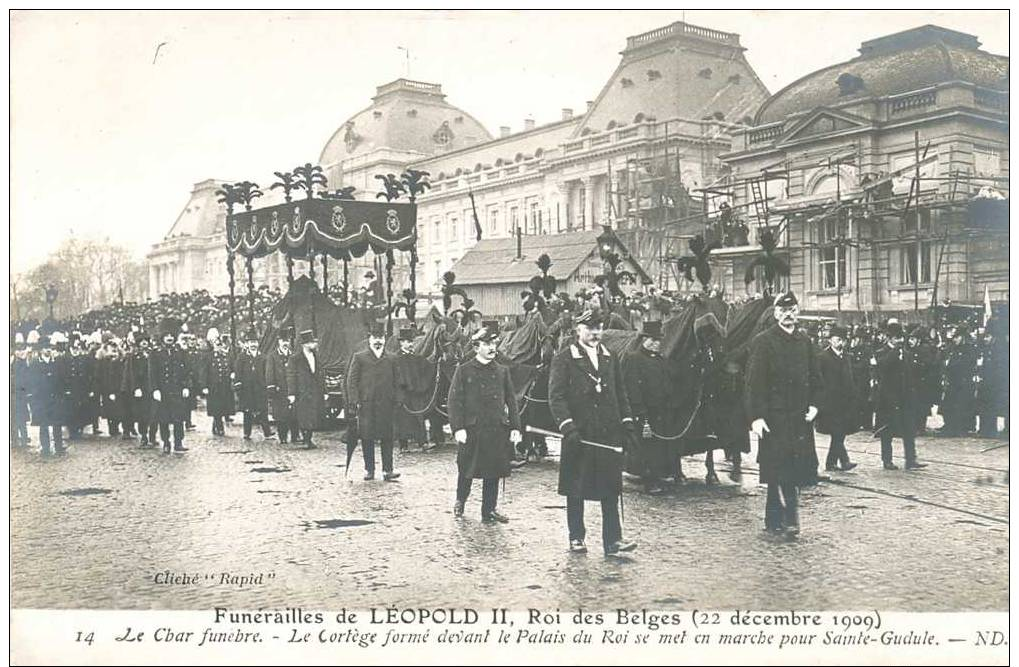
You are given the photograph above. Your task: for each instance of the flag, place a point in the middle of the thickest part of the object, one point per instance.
(474, 211)
(987, 305)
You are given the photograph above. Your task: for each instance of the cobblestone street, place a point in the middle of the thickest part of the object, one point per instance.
(94, 529)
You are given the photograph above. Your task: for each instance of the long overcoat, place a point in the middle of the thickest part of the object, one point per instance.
(50, 399)
(276, 386)
(170, 373)
(217, 369)
(897, 401)
(20, 376)
(109, 376)
(482, 402)
(249, 382)
(837, 408)
(782, 382)
(647, 388)
(414, 373)
(136, 376)
(308, 386)
(593, 400)
(371, 386)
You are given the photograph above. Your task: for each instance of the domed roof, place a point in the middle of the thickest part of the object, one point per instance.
(409, 116)
(899, 63)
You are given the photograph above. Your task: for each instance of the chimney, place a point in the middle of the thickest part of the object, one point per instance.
(590, 105)
(528, 124)
(504, 131)
(567, 113)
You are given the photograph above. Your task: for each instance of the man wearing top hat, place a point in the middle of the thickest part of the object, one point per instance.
(647, 388)
(897, 398)
(783, 384)
(249, 383)
(170, 385)
(837, 414)
(49, 394)
(588, 402)
(485, 421)
(407, 426)
(306, 386)
(371, 392)
(276, 386)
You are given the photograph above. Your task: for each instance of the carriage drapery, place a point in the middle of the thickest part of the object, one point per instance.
(342, 229)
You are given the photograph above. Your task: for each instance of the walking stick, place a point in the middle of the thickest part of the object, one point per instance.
(556, 434)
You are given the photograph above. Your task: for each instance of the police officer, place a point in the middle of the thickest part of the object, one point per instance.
(782, 384)
(249, 383)
(485, 420)
(217, 382)
(371, 391)
(305, 386)
(276, 386)
(897, 398)
(588, 401)
(838, 415)
(170, 385)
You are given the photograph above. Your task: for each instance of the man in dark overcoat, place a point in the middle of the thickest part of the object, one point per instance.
(897, 399)
(407, 427)
(838, 414)
(783, 383)
(587, 398)
(49, 396)
(170, 385)
(217, 382)
(109, 371)
(249, 383)
(958, 404)
(371, 391)
(20, 413)
(485, 420)
(647, 388)
(135, 385)
(306, 386)
(276, 387)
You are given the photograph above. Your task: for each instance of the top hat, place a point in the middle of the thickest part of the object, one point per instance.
(651, 329)
(377, 329)
(408, 333)
(284, 333)
(840, 331)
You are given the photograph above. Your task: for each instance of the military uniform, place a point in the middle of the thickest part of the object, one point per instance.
(109, 378)
(277, 390)
(483, 405)
(135, 386)
(169, 386)
(219, 399)
(371, 389)
(783, 382)
(897, 401)
(249, 383)
(588, 401)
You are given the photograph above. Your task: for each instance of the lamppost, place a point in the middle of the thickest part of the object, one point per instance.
(51, 297)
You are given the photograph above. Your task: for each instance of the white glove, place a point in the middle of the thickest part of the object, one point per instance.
(157, 395)
(811, 413)
(647, 432)
(325, 397)
(760, 427)
(185, 392)
(291, 398)
(113, 397)
(461, 436)
(934, 411)
(515, 436)
(138, 393)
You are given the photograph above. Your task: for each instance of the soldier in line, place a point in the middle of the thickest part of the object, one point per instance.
(135, 384)
(49, 396)
(485, 420)
(782, 384)
(306, 386)
(927, 372)
(20, 413)
(647, 388)
(109, 369)
(406, 426)
(837, 410)
(217, 382)
(170, 385)
(82, 409)
(249, 383)
(276, 386)
(372, 394)
(960, 389)
(588, 401)
(896, 398)
(196, 360)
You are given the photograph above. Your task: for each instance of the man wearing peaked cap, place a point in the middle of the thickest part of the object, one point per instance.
(485, 420)
(896, 400)
(782, 384)
(588, 400)
(136, 384)
(306, 386)
(371, 391)
(170, 385)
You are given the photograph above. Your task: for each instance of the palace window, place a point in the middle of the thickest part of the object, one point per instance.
(513, 220)
(832, 263)
(451, 225)
(914, 260)
(986, 162)
(493, 221)
(917, 221)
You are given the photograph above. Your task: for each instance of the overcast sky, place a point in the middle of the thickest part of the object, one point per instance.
(106, 142)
